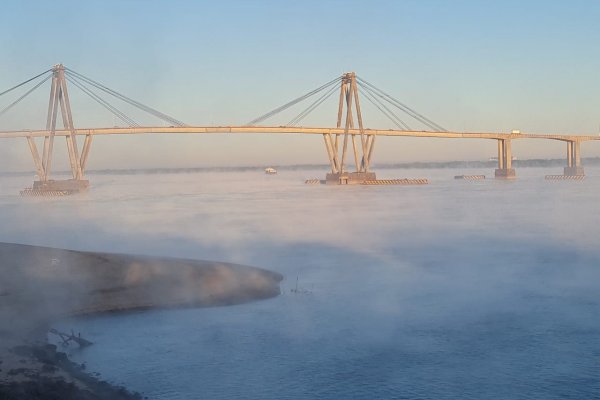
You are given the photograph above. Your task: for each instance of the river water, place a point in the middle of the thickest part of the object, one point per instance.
(453, 290)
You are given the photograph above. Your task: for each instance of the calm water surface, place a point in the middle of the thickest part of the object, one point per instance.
(455, 290)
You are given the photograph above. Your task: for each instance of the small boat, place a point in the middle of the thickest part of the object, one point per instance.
(270, 171)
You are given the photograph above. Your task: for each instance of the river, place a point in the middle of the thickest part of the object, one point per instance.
(456, 289)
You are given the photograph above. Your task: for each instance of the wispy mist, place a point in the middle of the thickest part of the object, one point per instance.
(428, 274)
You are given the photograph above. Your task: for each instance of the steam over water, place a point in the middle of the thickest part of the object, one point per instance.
(470, 290)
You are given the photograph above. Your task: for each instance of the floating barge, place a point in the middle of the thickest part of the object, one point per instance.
(470, 177)
(565, 177)
(356, 178)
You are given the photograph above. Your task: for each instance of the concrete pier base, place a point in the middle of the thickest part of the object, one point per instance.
(71, 185)
(505, 173)
(349, 178)
(574, 171)
(56, 188)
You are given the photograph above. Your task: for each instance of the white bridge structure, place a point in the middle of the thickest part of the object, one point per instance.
(349, 139)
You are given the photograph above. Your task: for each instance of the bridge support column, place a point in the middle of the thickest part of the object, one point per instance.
(574, 167)
(362, 149)
(505, 169)
(59, 99)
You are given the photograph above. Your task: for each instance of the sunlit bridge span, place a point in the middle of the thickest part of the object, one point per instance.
(349, 144)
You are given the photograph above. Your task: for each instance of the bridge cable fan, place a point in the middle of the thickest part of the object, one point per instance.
(26, 82)
(115, 111)
(401, 106)
(14, 103)
(296, 120)
(126, 99)
(383, 108)
(293, 102)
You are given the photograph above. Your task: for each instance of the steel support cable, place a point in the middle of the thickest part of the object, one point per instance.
(293, 102)
(118, 113)
(14, 103)
(403, 107)
(24, 83)
(386, 111)
(398, 104)
(114, 110)
(425, 121)
(126, 99)
(313, 106)
(383, 108)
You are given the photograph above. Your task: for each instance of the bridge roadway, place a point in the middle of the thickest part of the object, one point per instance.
(293, 130)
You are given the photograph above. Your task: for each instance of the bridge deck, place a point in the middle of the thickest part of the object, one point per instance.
(294, 130)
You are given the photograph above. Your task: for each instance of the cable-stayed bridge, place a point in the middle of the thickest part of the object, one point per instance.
(349, 144)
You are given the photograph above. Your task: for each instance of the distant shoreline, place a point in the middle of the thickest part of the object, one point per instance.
(524, 163)
(42, 284)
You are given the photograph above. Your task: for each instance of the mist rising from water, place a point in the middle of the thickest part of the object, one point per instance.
(482, 259)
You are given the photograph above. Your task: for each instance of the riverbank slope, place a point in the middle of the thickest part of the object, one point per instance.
(41, 284)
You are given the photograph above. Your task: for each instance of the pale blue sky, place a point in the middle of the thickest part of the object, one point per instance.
(468, 65)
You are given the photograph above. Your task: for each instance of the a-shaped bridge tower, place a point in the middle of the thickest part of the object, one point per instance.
(349, 106)
(59, 99)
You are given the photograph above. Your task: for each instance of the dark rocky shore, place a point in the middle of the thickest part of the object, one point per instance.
(49, 374)
(41, 284)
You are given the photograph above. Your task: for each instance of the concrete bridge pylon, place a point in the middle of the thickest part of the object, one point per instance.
(574, 167)
(59, 99)
(348, 109)
(505, 169)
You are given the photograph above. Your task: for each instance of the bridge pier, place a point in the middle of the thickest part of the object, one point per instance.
(59, 99)
(574, 167)
(362, 150)
(66, 185)
(362, 144)
(505, 169)
(349, 178)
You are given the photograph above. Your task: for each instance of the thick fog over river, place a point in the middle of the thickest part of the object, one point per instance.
(472, 290)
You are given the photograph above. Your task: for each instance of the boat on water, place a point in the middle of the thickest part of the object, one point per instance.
(270, 171)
